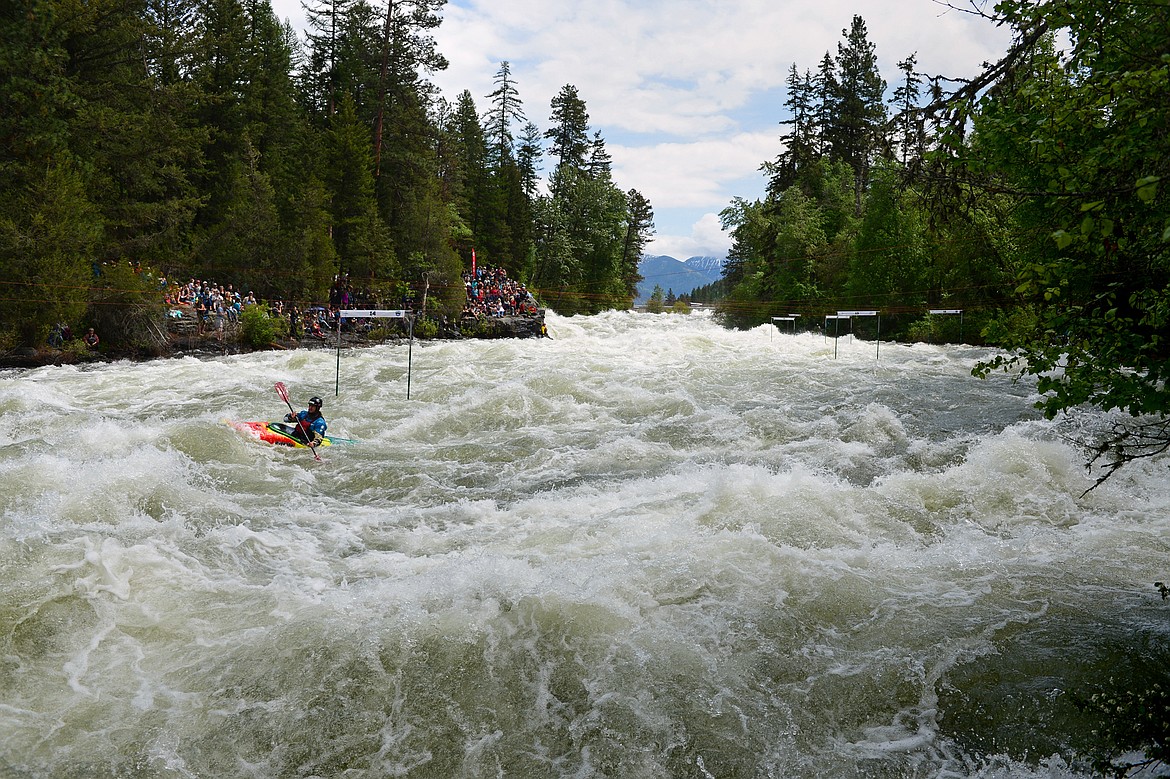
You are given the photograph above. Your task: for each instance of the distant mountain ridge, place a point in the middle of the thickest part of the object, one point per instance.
(677, 276)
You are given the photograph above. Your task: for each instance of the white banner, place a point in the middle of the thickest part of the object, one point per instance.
(365, 313)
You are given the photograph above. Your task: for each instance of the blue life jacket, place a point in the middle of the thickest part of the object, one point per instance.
(317, 425)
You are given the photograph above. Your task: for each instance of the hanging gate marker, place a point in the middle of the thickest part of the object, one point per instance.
(375, 313)
(790, 318)
(849, 315)
(836, 327)
(958, 311)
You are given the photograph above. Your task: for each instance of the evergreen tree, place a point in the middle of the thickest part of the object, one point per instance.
(555, 262)
(272, 117)
(408, 51)
(50, 234)
(600, 164)
(281, 149)
(522, 200)
(477, 204)
(509, 241)
(569, 134)
(909, 132)
(800, 142)
(655, 304)
(363, 251)
(249, 229)
(515, 247)
(326, 21)
(857, 131)
(528, 158)
(220, 69)
(140, 155)
(826, 92)
(639, 230)
(169, 35)
(307, 257)
(593, 210)
(506, 112)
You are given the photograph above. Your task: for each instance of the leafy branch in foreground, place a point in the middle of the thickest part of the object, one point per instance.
(1080, 141)
(1130, 442)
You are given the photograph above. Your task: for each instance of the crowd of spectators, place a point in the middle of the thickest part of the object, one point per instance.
(490, 293)
(215, 305)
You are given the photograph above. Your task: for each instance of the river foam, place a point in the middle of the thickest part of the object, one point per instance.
(646, 547)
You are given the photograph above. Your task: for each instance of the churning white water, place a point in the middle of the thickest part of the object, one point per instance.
(647, 547)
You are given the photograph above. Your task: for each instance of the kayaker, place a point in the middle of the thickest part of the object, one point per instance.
(309, 425)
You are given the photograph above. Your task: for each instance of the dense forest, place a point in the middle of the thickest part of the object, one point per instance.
(202, 139)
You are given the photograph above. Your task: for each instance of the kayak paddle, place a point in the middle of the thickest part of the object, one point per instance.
(283, 392)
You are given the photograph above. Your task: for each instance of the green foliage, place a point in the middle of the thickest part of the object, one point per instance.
(639, 230)
(126, 309)
(1049, 223)
(49, 236)
(1084, 141)
(257, 328)
(890, 266)
(744, 306)
(709, 293)
(569, 135)
(928, 329)
(941, 329)
(788, 249)
(426, 328)
(478, 327)
(655, 304)
(77, 350)
(857, 108)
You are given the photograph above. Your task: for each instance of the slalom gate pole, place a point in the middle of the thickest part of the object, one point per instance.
(373, 313)
(409, 353)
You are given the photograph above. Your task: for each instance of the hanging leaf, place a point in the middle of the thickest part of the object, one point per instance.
(1147, 188)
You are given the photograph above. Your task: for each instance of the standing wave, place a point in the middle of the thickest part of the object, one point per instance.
(647, 546)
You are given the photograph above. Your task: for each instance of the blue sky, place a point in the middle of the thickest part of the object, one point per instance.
(688, 94)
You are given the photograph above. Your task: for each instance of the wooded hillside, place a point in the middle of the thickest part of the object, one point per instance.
(202, 139)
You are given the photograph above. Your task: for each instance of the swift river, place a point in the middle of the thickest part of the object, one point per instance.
(645, 547)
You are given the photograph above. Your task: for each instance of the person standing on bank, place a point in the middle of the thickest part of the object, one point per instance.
(310, 425)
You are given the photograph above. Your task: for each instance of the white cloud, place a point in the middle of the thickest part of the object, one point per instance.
(706, 239)
(651, 65)
(689, 175)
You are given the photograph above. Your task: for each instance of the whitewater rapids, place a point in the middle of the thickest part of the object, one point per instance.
(645, 547)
